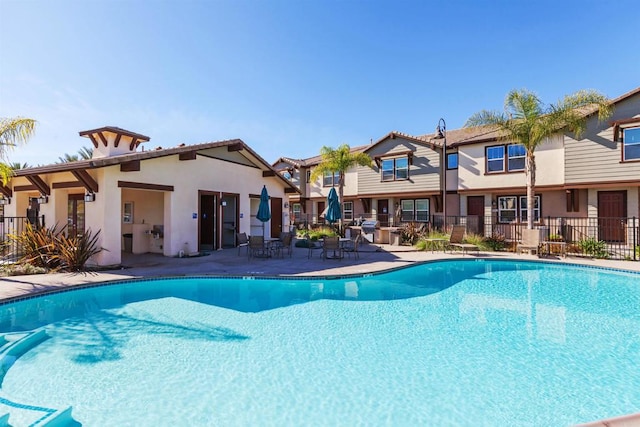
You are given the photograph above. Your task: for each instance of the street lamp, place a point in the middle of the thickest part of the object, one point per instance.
(441, 133)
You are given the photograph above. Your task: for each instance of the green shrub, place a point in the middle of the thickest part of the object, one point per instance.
(21, 270)
(50, 249)
(593, 247)
(496, 242)
(410, 232)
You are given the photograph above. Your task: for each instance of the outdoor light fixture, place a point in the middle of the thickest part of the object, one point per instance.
(90, 197)
(43, 199)
(5, 201)
(441, 133)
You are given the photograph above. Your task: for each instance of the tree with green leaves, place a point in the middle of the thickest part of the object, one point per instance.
(526, 120)
(13, 132)
(85, 153)
(339, 160)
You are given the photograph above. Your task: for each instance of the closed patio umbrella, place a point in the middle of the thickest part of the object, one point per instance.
(264, 212)
(333, 207)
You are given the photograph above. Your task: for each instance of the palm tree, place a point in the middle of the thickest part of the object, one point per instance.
(17, 166)
(13, 131)
(339, 160)
(85, 153)
(529, 122)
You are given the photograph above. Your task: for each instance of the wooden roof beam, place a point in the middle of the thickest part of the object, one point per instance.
(86, 180)
(6, 191)
(39, 183)
(103, 139)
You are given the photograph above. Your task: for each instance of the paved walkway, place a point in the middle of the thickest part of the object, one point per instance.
(228, 262)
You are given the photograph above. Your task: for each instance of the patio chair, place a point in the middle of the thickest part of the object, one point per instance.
(530, 241)
(332, 245)
(284, 244)
(311, 244)
(257, 247)
(243, 242)
(351, 247)
(456, 240)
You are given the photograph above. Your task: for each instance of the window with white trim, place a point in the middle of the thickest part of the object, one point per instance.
(536, 208)
(631, 144)
(330, 179)
(516, 154)
(495, 159)
(347, 210)
(395, 169)
(514, 208)
(515, 158)
(296, 210)
(414, 210)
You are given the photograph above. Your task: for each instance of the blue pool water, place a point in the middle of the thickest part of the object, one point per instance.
(456, 343)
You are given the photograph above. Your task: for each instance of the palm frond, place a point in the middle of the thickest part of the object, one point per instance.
(14, 131)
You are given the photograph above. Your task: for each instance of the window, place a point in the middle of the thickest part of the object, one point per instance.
(516, 154)
(631, 144)
(452, 161)
(330, 179)
(495, 159)
(395, 169)
(514, 208)
(414, 210)
(308, 176)
(516, 157)
(296, 210)
(287, 175)
(536, 208)
(127, 213)
(507, 208)
(347, 210)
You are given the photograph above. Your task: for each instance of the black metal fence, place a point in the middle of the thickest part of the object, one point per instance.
(15, 225)
(612, 238)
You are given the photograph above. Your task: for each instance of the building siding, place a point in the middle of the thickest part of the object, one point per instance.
(424, 172)
(596, 157)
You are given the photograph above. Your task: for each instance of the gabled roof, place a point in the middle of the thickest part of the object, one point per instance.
(236, 145)
(312, 161)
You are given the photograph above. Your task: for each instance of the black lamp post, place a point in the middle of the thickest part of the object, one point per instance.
(441, 133)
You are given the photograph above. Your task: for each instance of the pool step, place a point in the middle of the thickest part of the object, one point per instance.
(12, 346)
(15, 344)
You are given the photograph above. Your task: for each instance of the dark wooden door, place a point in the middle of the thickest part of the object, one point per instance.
(383, 212)
(75, 215)
(612, 215)
(321, 207)
(475, 213)
(207, 221)
(276, 217)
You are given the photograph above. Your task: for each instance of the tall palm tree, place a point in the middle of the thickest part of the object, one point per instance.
(527, 121)
(13, 131)
(17, 166)
(339, 160)
(85, 153)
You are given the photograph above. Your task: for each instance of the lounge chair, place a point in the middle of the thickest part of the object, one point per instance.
(456, 240)
(530, 241)
(331, 245)
(243, 242)
(351, 247)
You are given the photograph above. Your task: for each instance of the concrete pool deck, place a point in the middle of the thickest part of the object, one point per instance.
(227, 262)
(373, 257)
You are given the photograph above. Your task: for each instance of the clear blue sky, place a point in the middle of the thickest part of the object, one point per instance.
(288, 77)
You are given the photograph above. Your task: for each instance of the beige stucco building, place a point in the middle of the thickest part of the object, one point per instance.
(173, 201)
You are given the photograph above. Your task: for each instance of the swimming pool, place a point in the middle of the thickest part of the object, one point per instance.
(459, 343)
